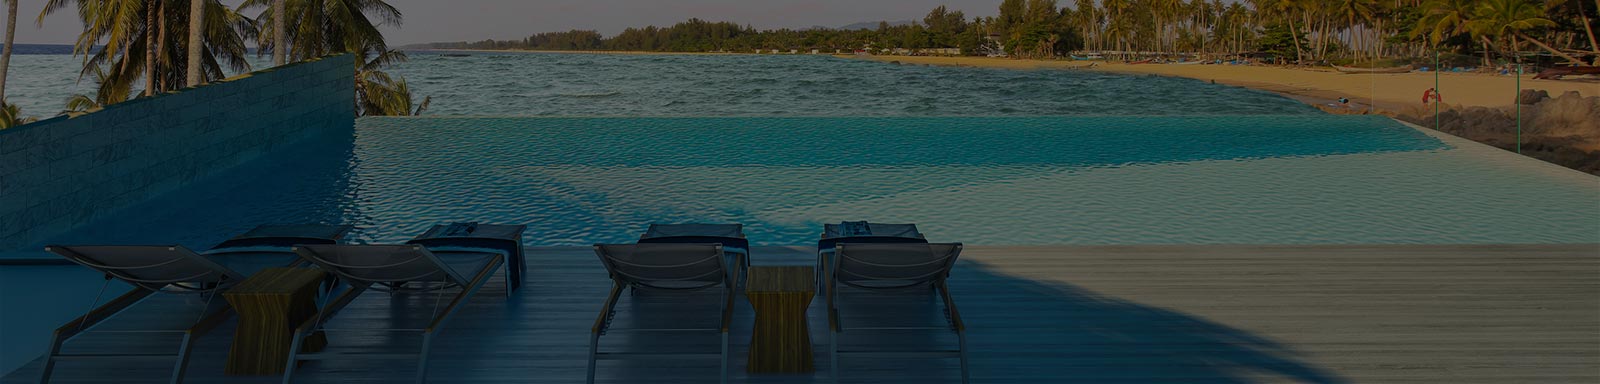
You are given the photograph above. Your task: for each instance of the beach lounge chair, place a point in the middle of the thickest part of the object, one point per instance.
(174, 269)
(671, 268)
(399, 269)
(881, 267)
(731, 236)
(861, 232)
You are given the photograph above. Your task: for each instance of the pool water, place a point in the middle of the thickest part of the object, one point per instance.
(979, 180)
(1261, 179)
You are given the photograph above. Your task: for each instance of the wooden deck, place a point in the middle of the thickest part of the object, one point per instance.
(1185, 314)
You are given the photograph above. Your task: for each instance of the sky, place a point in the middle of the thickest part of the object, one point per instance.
(466, 20)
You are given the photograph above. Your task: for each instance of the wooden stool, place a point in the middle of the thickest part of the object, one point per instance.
(781, 340)
(270, 305)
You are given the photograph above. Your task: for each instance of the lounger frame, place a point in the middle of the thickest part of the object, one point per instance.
(217, 279)
(932, 276)
(621, 280)
(358, 285)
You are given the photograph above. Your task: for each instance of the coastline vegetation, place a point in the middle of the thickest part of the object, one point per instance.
(1485, 33)
(144, 45)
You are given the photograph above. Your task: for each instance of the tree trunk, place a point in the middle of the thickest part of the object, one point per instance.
(1296, 37)
(280, 36)
(1377, 41)
(150, 48)
(11, 39)
(196, 25)
(161, 46)
(1486, 62)
(1514, 36)
(1593, 47)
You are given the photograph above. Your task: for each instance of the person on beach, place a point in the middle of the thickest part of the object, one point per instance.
(1431, 94)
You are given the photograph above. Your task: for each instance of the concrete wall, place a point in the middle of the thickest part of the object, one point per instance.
(63, 172)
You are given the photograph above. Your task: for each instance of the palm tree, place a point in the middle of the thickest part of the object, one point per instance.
(1117, 27)
(11, 116)
(323, 27)
(318, 28)
(106, 93)
(1509, 18)
(1286, 9)
(1576, 7)
(1352, 10)
(377, 92)
(115, 30)
(1443, 19)
(11, 40)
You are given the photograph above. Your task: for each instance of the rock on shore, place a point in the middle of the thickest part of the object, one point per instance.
(1564, 130)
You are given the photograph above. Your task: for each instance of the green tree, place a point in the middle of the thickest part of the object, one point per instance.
(11, 116)
(1279, 40)
(1287, 11)
(1509, 19)
(106, 93)
(117, 38)
(318, 28)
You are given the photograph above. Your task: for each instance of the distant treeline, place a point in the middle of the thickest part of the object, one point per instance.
(1304, 31)
(941, 28)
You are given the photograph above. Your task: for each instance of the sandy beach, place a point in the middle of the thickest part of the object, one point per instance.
(1561, 129)
(1399, 92)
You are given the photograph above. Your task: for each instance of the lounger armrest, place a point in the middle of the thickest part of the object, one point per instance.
(949, 303)
(111, 308)
(605, 310)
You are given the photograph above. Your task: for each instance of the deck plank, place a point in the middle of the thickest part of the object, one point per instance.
(1089, 314)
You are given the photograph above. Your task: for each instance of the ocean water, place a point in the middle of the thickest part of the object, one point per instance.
(43, 77)
(559, 84)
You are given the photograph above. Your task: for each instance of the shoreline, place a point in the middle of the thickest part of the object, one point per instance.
(590, 52)
(1563, 117)
(1393, 93)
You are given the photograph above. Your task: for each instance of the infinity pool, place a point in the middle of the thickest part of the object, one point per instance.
(980, 180)
(1304, 179)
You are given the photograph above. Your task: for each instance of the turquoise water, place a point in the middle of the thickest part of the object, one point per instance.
(980, 180)
(527, 84)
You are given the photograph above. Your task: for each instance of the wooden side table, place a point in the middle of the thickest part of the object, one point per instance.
(781, 341)
(270, 304)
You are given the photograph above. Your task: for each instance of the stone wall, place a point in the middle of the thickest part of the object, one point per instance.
(60, 173)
